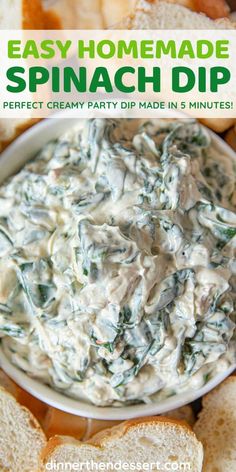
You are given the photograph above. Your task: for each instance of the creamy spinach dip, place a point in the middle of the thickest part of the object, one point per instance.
(117, 261)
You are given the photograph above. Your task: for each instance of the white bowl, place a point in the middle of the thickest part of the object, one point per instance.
(12, 160)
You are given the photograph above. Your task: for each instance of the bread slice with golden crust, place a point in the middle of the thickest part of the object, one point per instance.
(95, 14)
(213, 9)
(158, 14)
(153, 440)
(21, 438)
(216, 428)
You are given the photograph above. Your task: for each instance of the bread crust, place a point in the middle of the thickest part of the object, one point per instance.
(185, 3)
(99, 441)
(17, 131)
(51, 445)
(33, 14)
(214, 9)
(120, 430)
(35, 17)
(216, 427)
(52, 20)
(32, 420)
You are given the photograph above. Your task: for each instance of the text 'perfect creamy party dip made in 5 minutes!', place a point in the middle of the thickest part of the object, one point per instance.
(117, 261)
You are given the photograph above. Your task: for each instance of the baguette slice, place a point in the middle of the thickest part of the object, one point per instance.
(159, 14)
(213, 9)
(96, 14)
(21, 438)
(216, 428)
(146, 440)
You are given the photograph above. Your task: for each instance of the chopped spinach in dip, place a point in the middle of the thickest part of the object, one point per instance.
(117, 261)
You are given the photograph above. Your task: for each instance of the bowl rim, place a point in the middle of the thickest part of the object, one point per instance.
(46, 130)
(64, 403)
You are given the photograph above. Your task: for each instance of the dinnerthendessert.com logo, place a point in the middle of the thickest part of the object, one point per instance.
(118, 466)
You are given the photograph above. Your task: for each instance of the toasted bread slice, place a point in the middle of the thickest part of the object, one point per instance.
(21, 438)
(165, 15)
(216, 428)
(144, 441)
